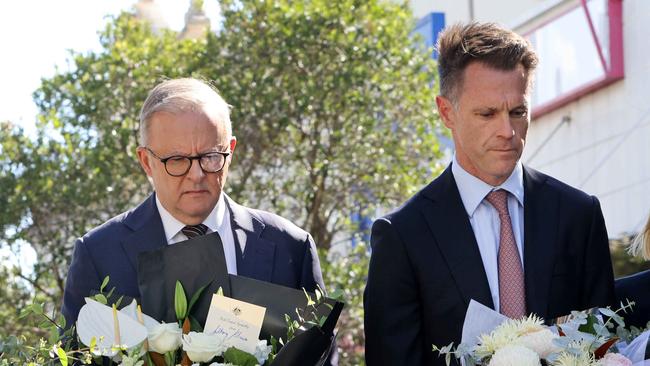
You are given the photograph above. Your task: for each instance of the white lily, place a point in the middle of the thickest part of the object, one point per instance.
(110, 328)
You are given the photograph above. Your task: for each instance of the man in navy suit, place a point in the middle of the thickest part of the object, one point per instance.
(487, 228)
(186, 150)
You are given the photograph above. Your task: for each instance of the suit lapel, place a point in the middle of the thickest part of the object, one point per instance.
(258, 256)
(452, 231)
(541, 206)
(148, 232)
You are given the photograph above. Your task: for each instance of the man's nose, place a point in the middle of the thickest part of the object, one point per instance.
(505, 126)
(195, 172)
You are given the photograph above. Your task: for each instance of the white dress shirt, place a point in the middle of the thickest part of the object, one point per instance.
(485, 220)
(218, 220)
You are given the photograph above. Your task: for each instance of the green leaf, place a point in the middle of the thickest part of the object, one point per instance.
(101, 299)
(589, 326)
(195, 326)
(219, 291)
(239, 357)
(63, 357)
(196, 296)
(119, 301)
(310, 302)
(180, 302)
(104, 283)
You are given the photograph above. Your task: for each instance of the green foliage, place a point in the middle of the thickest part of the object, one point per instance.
(347, 274)
(238, 357)
(332, 106)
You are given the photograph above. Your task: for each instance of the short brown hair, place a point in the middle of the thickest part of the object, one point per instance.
(489, 43)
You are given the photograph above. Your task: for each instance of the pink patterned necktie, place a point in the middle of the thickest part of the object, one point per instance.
(512, 296)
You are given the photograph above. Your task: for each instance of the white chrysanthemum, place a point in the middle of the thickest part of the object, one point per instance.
(506, 334)
(514, 355)
(541, 342)
(569, 359)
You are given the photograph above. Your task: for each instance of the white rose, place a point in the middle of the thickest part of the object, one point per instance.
(540, 342)
(514, 355)
(262, 350)
(202, 347)
(165, 337)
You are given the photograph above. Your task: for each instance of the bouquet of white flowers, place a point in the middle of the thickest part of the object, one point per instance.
(584, 338)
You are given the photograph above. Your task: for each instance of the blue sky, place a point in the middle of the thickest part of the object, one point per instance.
(36, 34)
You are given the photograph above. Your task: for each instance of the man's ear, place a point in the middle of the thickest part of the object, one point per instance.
(233, 143)
(445, 110)
(144, 159)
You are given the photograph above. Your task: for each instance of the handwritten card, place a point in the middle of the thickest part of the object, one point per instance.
(239, 321)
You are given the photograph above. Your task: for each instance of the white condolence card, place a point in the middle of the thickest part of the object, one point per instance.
(239, 321)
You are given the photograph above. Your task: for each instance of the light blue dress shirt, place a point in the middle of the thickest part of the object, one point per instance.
(485, 220)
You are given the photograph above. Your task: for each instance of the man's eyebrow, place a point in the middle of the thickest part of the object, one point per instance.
(484, 109)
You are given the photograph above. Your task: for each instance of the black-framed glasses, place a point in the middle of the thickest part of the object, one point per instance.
(178, 165)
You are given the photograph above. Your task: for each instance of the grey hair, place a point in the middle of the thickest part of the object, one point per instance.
(183, 95)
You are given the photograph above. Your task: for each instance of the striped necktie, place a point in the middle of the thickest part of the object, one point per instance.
(192, 231)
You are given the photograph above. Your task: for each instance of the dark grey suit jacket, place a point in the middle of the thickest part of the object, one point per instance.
(275, 251)
(426, 266)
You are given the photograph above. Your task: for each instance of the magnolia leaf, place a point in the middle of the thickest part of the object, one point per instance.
(196, 296)
(195, 326)
(238, 357)
(602, 350)
(180, 302)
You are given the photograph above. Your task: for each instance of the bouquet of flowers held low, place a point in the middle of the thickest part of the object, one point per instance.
(131, 338)
(585, 338)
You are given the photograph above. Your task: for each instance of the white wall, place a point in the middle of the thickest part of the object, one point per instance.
(605, 149)
(502, 11)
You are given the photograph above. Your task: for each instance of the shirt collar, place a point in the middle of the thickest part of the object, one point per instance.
(473, 190)
(173, 226)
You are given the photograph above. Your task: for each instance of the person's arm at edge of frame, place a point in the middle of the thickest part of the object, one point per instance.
(392, 318)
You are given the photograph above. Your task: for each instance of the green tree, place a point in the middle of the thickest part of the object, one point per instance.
(332, 106)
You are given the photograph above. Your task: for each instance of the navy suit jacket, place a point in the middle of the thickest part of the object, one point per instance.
(275, 251)
(426, 266)
(636, 288)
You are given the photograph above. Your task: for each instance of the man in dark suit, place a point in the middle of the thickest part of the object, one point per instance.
(635, 288)
(186, 149)
(487, 228)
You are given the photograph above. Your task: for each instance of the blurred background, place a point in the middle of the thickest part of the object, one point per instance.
(333, 107)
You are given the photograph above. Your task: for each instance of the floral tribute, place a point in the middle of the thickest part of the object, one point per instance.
(584, 338)
(131, 338)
